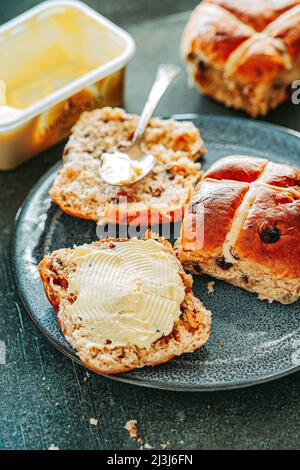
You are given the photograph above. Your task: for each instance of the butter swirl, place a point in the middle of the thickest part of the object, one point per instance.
(129, 293)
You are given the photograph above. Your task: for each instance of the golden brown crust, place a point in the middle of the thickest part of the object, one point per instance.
(281, 175)
(289, 33)
(271, 233)
(52, 296)
(248, 49)
(190, 332)
(252, 226)
(260, 63)
(256, 13)
(237, 168)
(214, 204)
(91, 366)
(214, 33)
(134, 217)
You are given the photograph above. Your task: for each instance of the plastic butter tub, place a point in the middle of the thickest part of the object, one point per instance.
(56, 61)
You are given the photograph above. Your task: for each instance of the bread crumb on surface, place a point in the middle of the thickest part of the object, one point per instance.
(93, 421)
(221, 343)
(211, 287)
(165, 445)
(131, 427)
(87, 375)
(53, 447)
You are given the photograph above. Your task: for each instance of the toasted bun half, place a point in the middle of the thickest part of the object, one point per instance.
(190, 331)
(160, 197)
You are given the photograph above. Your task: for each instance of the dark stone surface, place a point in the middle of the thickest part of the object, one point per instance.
(46, 399)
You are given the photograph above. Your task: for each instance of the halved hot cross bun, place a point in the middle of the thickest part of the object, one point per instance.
(124, 304)
(243, 226)
(160, 197)
(245, 55)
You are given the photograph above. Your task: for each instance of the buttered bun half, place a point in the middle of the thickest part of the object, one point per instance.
(124, 303)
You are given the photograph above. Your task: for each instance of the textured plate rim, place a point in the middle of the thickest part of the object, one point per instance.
(222, 386)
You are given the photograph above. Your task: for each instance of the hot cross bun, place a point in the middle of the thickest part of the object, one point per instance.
(243, 226)
(244, 54)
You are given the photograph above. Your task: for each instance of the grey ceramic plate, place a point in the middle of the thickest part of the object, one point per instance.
(251, 341)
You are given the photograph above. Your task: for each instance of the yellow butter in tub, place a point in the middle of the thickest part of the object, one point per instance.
(57, 60)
